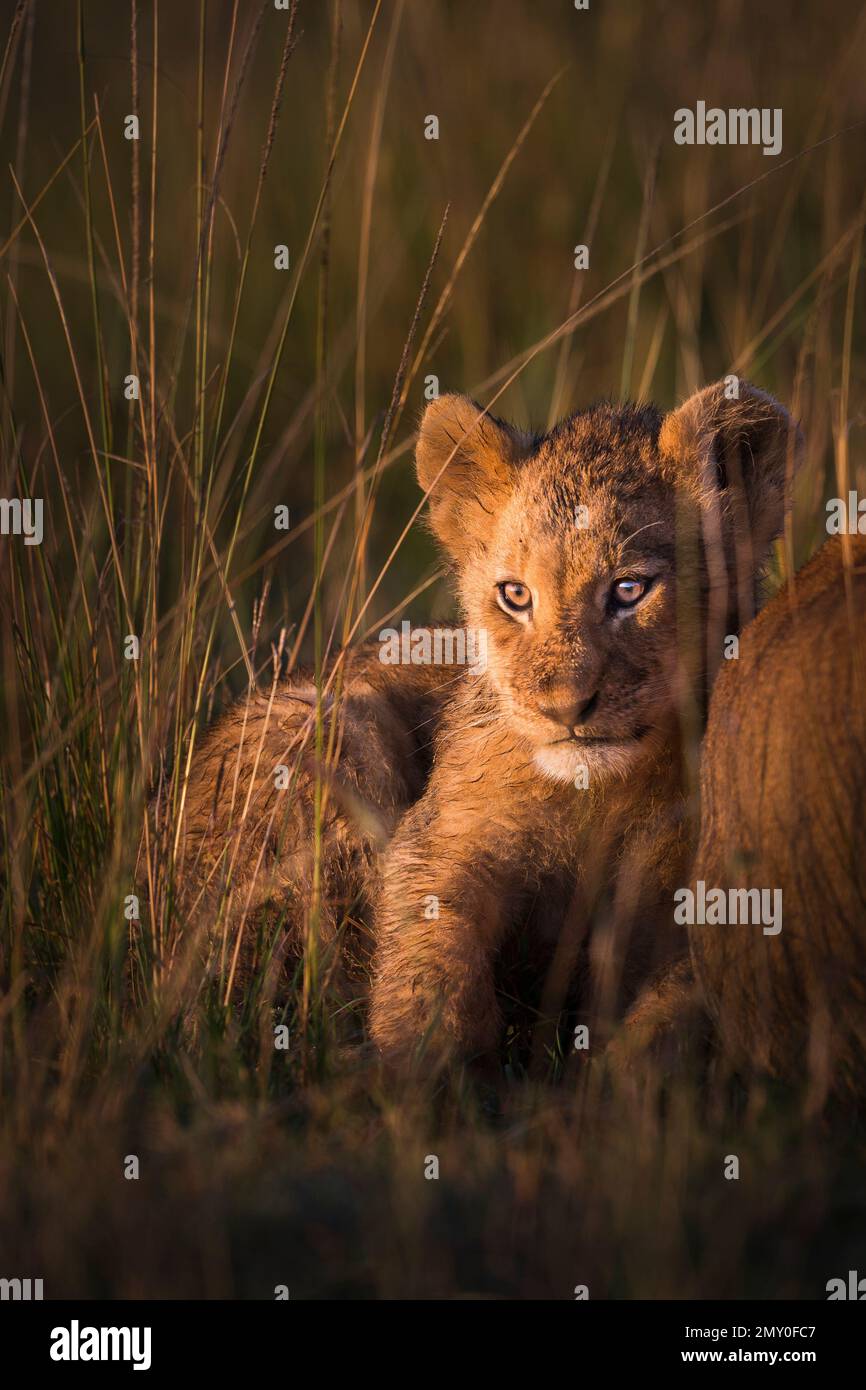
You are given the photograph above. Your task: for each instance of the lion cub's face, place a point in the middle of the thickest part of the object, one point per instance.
(566, 548)
(575, 588)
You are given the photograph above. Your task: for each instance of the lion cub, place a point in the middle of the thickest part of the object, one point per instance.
(606, 561)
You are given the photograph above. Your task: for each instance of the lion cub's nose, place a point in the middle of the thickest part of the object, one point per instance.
(570, 708)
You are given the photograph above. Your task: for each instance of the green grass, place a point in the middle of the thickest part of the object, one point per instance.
(260, 388)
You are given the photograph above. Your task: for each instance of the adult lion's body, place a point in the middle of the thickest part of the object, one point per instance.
(784, 807)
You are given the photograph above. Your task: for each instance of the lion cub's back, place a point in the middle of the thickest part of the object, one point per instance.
(249, 809)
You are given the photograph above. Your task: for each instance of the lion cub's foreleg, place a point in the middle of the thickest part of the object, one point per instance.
(668, 1022)
(446, 902)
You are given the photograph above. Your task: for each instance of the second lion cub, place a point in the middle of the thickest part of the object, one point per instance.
(607, 561)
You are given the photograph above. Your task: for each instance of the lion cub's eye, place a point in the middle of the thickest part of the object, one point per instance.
(514, 597)
(626, 592)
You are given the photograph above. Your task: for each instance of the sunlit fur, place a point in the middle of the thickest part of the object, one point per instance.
(785, 805)
(587, 507)
(557, 791)
(456, 811)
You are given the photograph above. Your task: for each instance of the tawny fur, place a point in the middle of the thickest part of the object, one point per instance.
(246, 852)
(497, 837)
(502, 833)
(784, 806)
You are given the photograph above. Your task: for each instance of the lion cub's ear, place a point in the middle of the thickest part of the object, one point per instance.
(735, 455)
(466, 461)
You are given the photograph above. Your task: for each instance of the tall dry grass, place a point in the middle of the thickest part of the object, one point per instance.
(154, 258)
